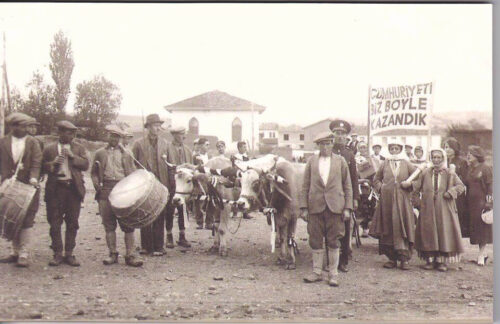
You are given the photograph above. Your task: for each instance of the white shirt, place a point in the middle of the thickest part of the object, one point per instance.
(204, 157)
(324, 168)
(241, 156)
(18, 145)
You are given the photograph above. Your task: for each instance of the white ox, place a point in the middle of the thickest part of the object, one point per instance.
(272, 184)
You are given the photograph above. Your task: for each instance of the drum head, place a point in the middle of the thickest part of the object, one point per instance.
(130, 189)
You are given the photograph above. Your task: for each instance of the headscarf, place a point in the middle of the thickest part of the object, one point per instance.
(478, 152)
(401, 155)
(444, 163)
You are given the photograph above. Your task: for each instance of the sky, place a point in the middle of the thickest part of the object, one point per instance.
(303, 62)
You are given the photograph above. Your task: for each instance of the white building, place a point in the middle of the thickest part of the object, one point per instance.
(268, 130)
(218, 114)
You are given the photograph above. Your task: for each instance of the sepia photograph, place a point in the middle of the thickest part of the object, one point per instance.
(257, 162)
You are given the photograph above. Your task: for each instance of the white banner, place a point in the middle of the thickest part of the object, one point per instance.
(400, 107)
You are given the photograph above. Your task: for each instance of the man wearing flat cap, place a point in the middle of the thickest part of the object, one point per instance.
(32, 129)
(20, 151)
(409, 152)
(340, 129)
(64, 162)
(180, 154)
(353, 144)
(127, 138)
(325, 203)
(111, 164)
(152, 152)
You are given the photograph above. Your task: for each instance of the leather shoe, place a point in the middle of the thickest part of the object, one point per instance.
(22, 262)
(132, 261)
(159, 253)
(9, 259)
(428, 266)
(183, 242)
(247, 216)
(71, 260)
(56, 260)
(332, 281)
(170, 241)
(442, 267)
(390, 264)
(312, 277)
(343, 267)
(113, 258)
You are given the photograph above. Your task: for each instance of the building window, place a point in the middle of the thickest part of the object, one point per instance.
(286, 137)
(301, 137)
(261, 135)
(193, 126)
(301, 146)
(236, 130)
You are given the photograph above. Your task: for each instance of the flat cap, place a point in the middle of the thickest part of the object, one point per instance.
(323, 136)
(128, 134)
(339, 124)
(178, 130)
(18, 118)
(418, 148)
(65, 124)
(376, 145)
(354, 134)
(114, 129)
(220, 142)
(362, 144)
(33, 121)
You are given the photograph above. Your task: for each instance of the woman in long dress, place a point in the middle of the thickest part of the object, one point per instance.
(438, 238)
(394, 222)
(452, 149)
(479, 182)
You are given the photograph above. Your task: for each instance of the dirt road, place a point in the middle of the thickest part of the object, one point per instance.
(247, 284)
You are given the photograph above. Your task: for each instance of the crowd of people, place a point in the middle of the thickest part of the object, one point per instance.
(405, 201)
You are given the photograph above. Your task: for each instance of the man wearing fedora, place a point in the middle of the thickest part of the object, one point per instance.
(340, 129)
(18, 149)
(152, 152)
(112, 164)
(325, 204)
(64, 162)
(180, 154)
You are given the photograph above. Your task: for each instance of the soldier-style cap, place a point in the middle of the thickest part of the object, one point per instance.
(18, 118)
(339, 124)
(178, 130)
(113, 129)
(323, 136)
(64, 124)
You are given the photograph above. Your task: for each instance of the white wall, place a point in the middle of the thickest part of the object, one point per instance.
(219, 123)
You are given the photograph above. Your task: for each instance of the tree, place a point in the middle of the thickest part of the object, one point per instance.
(61, 66)
(97, 104)
(40, 103)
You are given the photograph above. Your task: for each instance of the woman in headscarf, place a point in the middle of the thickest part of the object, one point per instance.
(437, 238)
(479, 182)
(452, 149)
(364, 163)
(394, 222)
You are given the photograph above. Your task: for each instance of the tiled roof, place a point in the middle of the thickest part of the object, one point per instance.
(268, 126)
(214, 100)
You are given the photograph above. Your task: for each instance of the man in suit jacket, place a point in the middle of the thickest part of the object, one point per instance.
(152, 152)
(179, 154)
(111, 164)
(64, 162)
(325, 203)
(19, 147)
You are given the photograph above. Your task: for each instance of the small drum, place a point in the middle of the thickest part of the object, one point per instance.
(15, 200)
(138, 199)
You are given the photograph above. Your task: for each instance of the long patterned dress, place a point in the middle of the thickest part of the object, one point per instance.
(438, 229)
(394, 223)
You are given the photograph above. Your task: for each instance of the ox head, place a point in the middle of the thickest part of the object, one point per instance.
(186, 180)
(256, 186)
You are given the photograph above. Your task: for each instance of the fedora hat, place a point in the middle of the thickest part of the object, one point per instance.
(153, 119)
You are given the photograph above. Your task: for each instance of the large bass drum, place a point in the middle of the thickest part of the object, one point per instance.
(15, 200)
(138, 199)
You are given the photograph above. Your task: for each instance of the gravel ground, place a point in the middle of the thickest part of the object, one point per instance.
(247, 285)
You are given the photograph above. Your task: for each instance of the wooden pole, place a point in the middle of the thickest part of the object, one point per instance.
(429, 129)
(253, 130)
(368, 123)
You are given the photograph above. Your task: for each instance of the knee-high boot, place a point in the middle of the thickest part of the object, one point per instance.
(317, 258)
(23, 241)
(130, 258)
(113, 254)
(334, 257)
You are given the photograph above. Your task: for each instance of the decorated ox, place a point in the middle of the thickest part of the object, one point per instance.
(272, 184)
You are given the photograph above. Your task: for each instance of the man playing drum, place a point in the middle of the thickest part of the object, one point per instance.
(111, 164)
(18, 147)
(179, 154)
(64, 162)
(152, 152)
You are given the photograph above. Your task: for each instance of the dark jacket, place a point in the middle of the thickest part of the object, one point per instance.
(351, 164)
(32, 160)
(99, 165)
(173, 152)
(76, 165)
